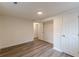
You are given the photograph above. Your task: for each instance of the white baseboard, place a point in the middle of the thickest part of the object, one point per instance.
(58, 49)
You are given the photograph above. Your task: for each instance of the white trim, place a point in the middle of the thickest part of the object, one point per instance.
(58, 49)
(76, 10)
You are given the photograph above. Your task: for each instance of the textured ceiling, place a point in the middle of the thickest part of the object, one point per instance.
(28, 10)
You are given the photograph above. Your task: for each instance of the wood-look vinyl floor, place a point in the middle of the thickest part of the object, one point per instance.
(36, 48)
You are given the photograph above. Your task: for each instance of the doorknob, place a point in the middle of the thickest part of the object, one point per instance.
(78, 34)
(63, 35)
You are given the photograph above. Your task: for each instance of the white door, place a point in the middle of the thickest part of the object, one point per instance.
(48, 31)
(57, 32)
(70, 34)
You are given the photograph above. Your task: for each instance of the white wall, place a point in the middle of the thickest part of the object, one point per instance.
(48, 31)
(15, 31)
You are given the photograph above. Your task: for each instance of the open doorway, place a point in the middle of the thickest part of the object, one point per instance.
(38, 31)
(35, 27)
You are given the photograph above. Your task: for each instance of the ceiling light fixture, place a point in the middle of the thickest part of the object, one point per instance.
(39, 13)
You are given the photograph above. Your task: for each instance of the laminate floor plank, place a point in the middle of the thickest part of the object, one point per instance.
(47, 53)
(36, 48)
